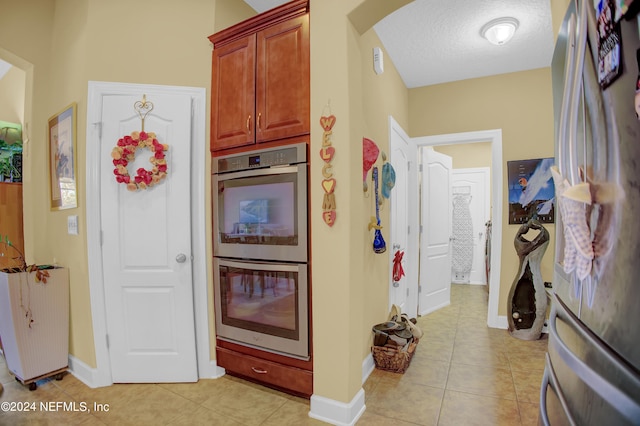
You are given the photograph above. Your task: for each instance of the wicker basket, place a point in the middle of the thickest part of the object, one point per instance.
(390, 358)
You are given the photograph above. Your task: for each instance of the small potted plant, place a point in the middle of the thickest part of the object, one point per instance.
(34, 317)
(11, 161)
(5, 168)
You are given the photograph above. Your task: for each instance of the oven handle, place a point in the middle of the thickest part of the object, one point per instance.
(266, 171)
(264, 266)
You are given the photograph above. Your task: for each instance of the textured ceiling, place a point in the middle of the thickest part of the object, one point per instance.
(438, 41)
(262, 5)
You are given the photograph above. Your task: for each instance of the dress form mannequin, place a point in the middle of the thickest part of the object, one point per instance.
(527, 301)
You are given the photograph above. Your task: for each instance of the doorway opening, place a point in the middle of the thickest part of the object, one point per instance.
(471, 198)
(494, 138)
(16, 85)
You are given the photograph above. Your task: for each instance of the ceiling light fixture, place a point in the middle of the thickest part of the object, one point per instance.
(499, 31)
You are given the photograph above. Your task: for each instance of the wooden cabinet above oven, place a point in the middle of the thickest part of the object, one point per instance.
(260, 79)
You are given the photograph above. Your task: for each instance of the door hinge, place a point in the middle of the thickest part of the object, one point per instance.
(408, 229)
(421, 229)
(419, 289)
(107, 339)
(98, 126)
(420, 168)
(101, 238)
(407, 291)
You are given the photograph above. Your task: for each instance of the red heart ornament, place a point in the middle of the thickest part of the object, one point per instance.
(327, 154)
(329, 185)
(327, 122)
(329, 217)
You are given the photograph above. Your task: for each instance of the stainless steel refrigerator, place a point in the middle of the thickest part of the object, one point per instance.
(592, 372)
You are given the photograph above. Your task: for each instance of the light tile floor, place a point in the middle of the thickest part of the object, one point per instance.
(463, 373)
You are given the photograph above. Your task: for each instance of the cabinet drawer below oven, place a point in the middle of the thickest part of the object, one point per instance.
(285, 377)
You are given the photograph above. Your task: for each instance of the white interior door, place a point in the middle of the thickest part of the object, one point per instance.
(146, 248)
(404, 212)
(477, 182)
(436, 210)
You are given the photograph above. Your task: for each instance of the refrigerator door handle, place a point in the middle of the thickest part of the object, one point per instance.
(550, 379)
(566, 94)
(613, 395)
(576, 91)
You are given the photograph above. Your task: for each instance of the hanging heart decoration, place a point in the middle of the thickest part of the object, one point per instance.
(329, 217)
(327, 154)
(327, 122)
(328, 183)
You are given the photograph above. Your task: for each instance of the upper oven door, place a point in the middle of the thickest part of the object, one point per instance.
(261, 214)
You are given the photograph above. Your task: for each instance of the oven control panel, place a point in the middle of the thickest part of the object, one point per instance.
(281, 156)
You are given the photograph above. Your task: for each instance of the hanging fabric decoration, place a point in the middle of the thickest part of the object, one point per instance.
(370, 153)
(379, 246)
(388, 179)
(125, 152)
(328, 183)
(398, 270)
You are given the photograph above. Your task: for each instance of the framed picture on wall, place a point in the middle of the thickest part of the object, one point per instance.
(531, 190)
(62, 159)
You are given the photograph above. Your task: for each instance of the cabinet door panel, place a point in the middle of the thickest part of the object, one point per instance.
(233, 105)
(282, 86)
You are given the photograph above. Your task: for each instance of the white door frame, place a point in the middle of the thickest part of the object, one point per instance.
(495, 137)
(411, 251)
(101, 375)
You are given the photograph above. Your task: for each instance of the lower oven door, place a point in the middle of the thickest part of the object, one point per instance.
(263, 305)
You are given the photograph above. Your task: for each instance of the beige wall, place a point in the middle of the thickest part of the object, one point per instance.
(230, 12)
(467, 155)
(350, 282)
(382, 95)
(558, 10)
(470, 155)
(521, 105)
(12, 91)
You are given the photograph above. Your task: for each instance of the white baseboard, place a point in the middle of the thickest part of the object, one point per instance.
(91, 377)
(212, 371)
(84, 373)
(545, 327)
(368, 365)
(435, 308)
(336, 412)
(502, 322)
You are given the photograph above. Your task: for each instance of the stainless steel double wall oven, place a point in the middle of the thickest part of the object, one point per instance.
(260, 249)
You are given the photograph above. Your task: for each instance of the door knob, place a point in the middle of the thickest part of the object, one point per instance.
(181, 258)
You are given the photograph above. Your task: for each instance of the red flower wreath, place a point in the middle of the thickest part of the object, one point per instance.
(125, 152)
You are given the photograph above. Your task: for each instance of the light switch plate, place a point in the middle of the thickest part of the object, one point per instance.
(72, 225)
